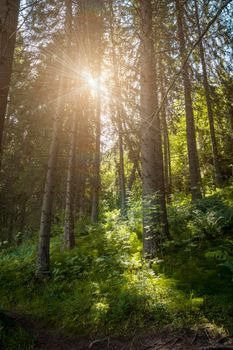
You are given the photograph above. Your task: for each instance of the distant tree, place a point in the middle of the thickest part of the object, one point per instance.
(194, 170)
(217, 172)
(9, 13)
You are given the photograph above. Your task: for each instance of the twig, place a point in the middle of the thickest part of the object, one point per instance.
(208, 336)
(97, 341)
(194, 338)
(162, 345)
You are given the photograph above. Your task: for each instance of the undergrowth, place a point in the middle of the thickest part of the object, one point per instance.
(104, 285)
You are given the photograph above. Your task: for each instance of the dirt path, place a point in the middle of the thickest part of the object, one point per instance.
(49, 339)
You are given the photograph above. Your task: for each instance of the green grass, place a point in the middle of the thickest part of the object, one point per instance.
(103, 285)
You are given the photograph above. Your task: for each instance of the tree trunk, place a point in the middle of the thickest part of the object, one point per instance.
(69, 236)
(119, 109)
(132, 177)
(166, 144)
(96, 178)
(194, 171)
(154, 207)
(9, 12)
(43, 258)
(217, 173)
(121, 167)
(82, 157)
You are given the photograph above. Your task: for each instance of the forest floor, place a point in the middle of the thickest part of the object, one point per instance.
(51, 339)
(102, 294)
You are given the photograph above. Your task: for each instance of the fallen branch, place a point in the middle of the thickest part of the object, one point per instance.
(96, 341)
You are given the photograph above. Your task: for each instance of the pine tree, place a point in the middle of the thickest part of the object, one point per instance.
(9, 12)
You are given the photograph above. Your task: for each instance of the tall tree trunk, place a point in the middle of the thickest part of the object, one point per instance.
(121, 166)
(119, 111)
(166, 142)
(43, 257)
(9, 12)
(194, 170)
(154, 207)
(96, 178)
(132, 177)
(217, 173)
(69, 236)
(83, 143)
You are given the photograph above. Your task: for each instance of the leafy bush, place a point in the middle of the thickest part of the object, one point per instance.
(104, 284)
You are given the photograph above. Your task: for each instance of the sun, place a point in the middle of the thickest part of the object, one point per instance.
(97, 84)
(92, 82)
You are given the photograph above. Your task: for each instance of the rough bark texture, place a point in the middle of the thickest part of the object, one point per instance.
(194, 171)
(217, 173)
(154, 207)
(96, 176)
(43, 258)
(69, 236)
(82, 157)
(119, 112)
(166, 143)
(9, 12)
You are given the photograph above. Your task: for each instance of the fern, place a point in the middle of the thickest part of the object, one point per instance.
(222, 255)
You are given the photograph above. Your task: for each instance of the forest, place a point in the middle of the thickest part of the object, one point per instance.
(116, 169)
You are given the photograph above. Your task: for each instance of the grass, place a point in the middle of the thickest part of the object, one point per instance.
(104, 286)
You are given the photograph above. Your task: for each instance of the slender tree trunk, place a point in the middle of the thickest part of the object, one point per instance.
(133, 154)
(132, 177)
(69, 236)
(9, 12)
(154, 207)
(121, 168)
(166, 144)
(194, 170)
(167, 160)
(217, 172)
(43, 257)
(82, 157)
(119, 109)
(96, 178)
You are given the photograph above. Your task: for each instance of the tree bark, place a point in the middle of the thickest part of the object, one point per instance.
(43, 257)
(9, 12)
(154, 206)
(194, 170)
(166, 144)
(217, 172)
(96, 178)
(69, 236)
(119, 112)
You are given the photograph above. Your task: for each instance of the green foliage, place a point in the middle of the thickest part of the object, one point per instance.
(207, 217)
(223, 254)
(12, 336)
(104, 284)
(200, 256)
